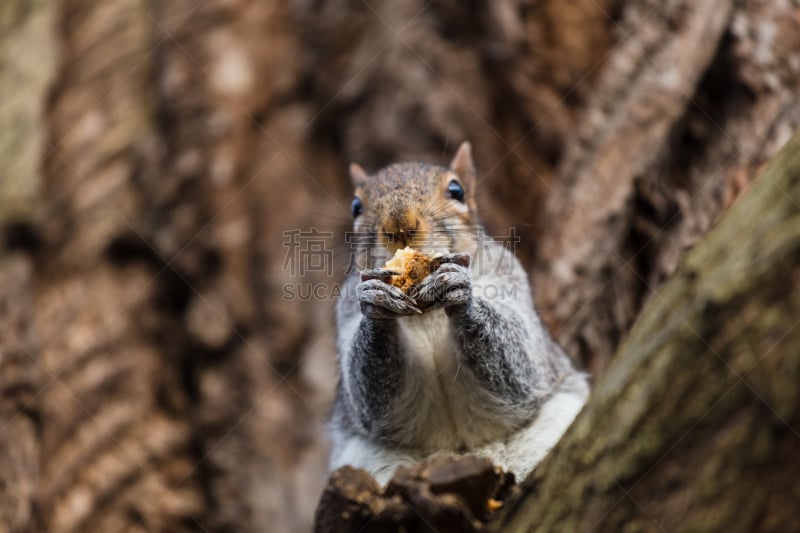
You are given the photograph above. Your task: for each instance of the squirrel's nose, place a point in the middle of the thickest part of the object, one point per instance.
(400, 230)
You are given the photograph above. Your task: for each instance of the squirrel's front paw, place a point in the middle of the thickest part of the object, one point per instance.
(450, 284)
(380, 300)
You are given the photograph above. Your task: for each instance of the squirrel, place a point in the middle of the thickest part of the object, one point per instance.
(459, 364)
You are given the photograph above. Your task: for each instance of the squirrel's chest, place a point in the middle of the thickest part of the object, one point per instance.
(427, 340)
(438, 409)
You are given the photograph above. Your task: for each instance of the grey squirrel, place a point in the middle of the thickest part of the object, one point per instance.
(459, 364)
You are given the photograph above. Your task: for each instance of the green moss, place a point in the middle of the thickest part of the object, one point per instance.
(27, 66)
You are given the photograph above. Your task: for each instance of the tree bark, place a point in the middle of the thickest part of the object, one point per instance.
(694, 426)
(678, 125)
(155, 375)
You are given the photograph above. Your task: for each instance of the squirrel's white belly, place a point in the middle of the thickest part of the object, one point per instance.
(441, 407)
(519, 453)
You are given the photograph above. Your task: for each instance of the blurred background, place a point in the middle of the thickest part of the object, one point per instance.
(157, 157)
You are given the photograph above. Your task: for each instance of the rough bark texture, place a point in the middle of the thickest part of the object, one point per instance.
(453, 494)
(154, 153)
(714, 448)
(695, 97)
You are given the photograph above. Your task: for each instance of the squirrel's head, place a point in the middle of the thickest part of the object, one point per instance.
(430, 208)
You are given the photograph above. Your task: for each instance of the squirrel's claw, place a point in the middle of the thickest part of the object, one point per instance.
(463, 260)
(378, 273)
(450, 284)
(380, 300)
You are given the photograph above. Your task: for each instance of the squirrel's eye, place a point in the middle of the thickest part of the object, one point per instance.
(455, 191)
(356, 208)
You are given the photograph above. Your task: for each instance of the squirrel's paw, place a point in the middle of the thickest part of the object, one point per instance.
(380, 300)
(450, 284)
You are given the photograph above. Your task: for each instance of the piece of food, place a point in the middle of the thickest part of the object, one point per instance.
(411, 265)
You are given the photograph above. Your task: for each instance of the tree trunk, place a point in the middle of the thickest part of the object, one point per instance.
(156, 156)
(695, 426)
(679, 124)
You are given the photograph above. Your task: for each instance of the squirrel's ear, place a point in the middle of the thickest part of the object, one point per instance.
(357, 175)
(462, 164)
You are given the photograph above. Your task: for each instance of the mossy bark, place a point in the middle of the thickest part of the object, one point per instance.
(695, 426)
